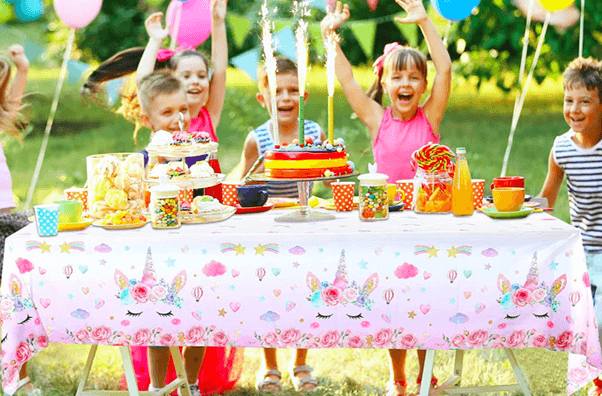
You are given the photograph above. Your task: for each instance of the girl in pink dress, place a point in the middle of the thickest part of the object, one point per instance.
(397, 131)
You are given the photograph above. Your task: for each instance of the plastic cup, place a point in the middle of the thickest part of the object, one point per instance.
(47, 219)
(69, 211)
(186, 196)
(342, 193)
(229, 192)
(407, 186)
(478, 192)
(78, 194)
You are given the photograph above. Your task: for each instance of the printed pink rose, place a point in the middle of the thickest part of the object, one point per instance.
(167, 340)
(159, 292)
(564, 340)
(141, 293)
(350, 294)
(498, 345)
(310, 344)
(194, 335)
(290, 336)
(578, 374)
(539, 341)
(458, 340)
(10, 374)
(329, 339)
(581, 349)
(522, 297)
(42, 341)
(23, 353)
(220, 338)
(516, 339)
(383, 338)
(477, 338)
(82, 335)
(332, 295)
(100, 334)
(355, 342)
(141, 337)
(539, 295)
(6, 306)
(24, 265)
(270, 338)
(407, 341)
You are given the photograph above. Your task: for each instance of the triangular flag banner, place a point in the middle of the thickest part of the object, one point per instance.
(240, 28)
(321, 4)
(76, 70)
(373, 4)
(316, 35)
(410, 32)
(32, 50)
(285, 43)
(364, 32)
(248, 61)
(113, 88)
(280, 24)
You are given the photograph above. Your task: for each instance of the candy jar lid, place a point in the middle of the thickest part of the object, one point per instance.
(373, 178)
(163, 187)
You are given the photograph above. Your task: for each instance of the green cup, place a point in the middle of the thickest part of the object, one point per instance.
(70, 211)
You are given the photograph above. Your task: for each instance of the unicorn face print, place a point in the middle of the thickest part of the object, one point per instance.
(533, 299)
(150, 293)
(329, 298)
(15, 306)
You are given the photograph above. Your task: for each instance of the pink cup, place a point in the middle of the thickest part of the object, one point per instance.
(229, 192)
(342, 192)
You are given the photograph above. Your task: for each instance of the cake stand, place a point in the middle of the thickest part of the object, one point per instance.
(304, 213)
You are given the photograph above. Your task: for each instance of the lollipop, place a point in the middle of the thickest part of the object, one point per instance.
(432, 158)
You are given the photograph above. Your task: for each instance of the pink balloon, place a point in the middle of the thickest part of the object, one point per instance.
(77, 13)
(195, 21)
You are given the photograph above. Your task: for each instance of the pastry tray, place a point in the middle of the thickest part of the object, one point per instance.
(194, 183)
(191, 150)
(207, 217)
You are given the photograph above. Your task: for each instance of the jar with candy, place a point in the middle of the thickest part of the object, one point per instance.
(165, 206)
(373, 202)
(432, 192)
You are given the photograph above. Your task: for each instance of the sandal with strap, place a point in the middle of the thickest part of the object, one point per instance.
(434, 389)
(22, 383)
(299, 383)
(262, 381)
(392, 388)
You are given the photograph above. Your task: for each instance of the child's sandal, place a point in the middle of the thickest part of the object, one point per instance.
(299, 383)
(392, 388)
(263, 382)
(434, 390)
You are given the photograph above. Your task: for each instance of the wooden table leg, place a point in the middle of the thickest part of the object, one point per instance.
(518, 373)
(427, 373)
(128, 368)
(179, 366)
(87, 367)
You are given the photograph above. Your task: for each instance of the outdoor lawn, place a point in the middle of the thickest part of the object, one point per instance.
(479, 121)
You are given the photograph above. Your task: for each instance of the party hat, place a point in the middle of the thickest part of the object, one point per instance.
(341, 279)
(532, 277)
(148, 275)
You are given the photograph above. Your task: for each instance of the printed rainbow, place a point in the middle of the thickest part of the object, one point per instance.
(465, 250)
(227, 247)
(33, 245)
(421, 249)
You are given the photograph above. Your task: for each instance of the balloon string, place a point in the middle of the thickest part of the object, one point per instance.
(516, 116)
(581, 29)
(523, 61)
(174, 37)
(446, 37)
(53, 108)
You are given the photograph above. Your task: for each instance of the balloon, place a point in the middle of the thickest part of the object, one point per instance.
(451, 275)
(77, 13)
(260, 273)
(574, 298)
(67, 270)
(455, 10)
(388, 295)
(197, 293)
(6, 12)
(29, 10)
(195, 21)
(555, 5)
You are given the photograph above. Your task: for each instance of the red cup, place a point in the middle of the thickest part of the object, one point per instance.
(478, 192)
(508, 181)
(342, 192)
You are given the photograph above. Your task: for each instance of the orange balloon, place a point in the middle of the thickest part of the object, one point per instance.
(555, 5)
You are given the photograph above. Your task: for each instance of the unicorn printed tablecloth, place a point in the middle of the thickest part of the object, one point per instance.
(414, 281)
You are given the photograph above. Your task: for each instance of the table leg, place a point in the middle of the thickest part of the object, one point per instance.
(518, 373)
(87, 367)
(179, 366)
(427, 373)
(128, 367)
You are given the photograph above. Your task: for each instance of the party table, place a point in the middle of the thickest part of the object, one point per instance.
(415, 281)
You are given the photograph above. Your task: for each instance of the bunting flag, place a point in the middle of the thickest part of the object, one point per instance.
(321, 4)
(32, 50)
(285, 43)
(240, 28)
(113, 88)
(410, 32)
(364, 33)
(76, 69)
(248, 62)
(316, 34)
(280, 24)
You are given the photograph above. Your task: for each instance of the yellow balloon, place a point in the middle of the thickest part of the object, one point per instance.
(555, 5)
(6, 12)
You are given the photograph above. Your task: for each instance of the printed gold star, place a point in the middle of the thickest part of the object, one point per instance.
(411, 315)
(65, 248)
(452, 252)
(432, 252)
(240, 249)
(45, 247)
(222, 312)
(259, 250)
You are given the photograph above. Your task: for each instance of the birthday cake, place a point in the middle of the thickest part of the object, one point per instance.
(310, 160)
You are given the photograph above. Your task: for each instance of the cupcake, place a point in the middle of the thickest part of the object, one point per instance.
(180, 139)
(200, 137)
(201, 169)
(178, 170)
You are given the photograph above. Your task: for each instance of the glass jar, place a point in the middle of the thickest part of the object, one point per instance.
(165, 206)
(432, 192)
(115, 183)
(373, 204)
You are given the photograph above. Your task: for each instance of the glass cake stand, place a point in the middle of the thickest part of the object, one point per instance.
(304, 213)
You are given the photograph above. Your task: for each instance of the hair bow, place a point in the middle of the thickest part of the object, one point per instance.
(380, 61)
(166, 54)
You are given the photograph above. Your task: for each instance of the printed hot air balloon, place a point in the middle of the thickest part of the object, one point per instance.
(197, 293)
(388, 295)
(574, 298)
(67, 270)
(451, 275)
(260, 273)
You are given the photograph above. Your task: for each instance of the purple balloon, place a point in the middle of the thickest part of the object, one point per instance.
(195, 21)
(77, 13)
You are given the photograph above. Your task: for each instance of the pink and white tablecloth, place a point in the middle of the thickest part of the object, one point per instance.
(414, 281)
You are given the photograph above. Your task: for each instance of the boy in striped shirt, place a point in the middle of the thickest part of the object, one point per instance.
(578, 155)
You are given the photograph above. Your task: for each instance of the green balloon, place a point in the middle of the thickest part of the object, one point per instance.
(7, 13)
(154, 2)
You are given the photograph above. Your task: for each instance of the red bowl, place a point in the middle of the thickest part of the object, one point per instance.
(508, 181)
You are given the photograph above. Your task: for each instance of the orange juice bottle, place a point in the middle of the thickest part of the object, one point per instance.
(462, 204)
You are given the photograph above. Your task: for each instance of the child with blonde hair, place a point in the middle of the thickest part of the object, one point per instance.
(397, 131)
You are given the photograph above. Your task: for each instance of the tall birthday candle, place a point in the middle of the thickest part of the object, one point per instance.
(331, 42)
(270, 65)
(302, 10)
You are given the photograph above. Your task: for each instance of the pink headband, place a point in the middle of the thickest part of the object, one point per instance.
(380, 61)
(166, 54)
